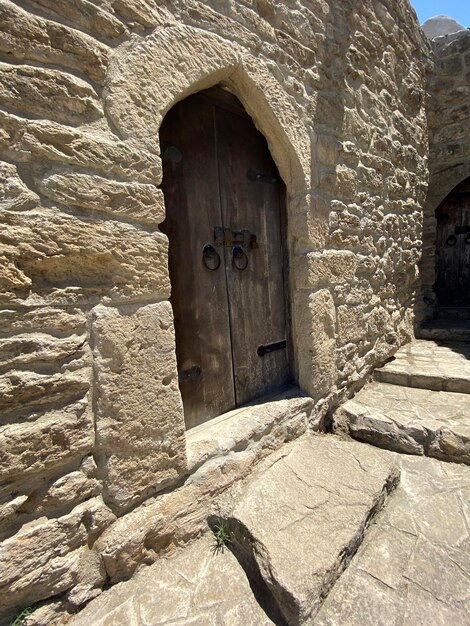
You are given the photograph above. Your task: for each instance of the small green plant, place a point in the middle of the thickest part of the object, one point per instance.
(222, 535)
(22, 615)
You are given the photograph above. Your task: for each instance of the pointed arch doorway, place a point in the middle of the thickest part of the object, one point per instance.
(225, 220)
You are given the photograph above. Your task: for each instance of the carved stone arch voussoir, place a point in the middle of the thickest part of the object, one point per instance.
(149, 77)
(443, 183)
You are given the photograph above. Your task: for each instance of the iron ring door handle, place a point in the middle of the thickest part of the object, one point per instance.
(210, 257)
(451, 240)
(239, 258)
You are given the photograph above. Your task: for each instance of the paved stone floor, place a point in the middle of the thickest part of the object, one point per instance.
(413, 567)
(429, 365)
(328, 531)
(197, 586)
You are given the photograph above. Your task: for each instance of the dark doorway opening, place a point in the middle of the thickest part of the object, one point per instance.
(452, 285)
(226, 224)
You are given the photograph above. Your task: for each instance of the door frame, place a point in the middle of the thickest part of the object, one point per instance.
(224, 99)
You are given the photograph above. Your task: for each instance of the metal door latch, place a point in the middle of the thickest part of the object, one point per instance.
(227, 237)
(271, 347)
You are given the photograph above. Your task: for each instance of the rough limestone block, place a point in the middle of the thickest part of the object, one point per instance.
(411, 420)
(23, 392)
(45, 319)
(139, 422)
(196, 585)
(40, 348)
(352, 323)
(326, 269)
(28, 37)
(54, 439)
(146, 13)
(134, 201)
(84, 15)
(25, 141)
(48, 93)
(66, 259)
(14, 194)
(45, 557)
(308, 222)
(301, 517)
(68, 490)
(315, 323)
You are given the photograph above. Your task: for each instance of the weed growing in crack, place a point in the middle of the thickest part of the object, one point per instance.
(222, 535)
(22, 615)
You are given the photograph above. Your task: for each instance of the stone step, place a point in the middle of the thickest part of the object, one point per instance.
(413, 566)
(411, 420)
(300, 518)
(462, 312)
(446, 330)
(439, 366)
(197, 585)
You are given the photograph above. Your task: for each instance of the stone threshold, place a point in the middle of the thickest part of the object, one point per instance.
(260, 422)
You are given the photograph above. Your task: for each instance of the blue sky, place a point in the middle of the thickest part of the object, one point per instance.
(458, 9)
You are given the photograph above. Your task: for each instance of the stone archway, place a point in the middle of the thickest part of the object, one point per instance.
(141, 456)
(153, 74)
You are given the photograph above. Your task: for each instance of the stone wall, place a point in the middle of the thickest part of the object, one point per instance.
(449, 139)
(92, 422)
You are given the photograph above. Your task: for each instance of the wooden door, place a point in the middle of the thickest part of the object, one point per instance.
(224, 201)
(465, 247)
(453, 248)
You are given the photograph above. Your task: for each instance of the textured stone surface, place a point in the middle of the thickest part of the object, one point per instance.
(69, 259)
(139, 419)
(28, 37)
(133, 201)
(196, 585)
(14, 194)
(47, 93)
(317, 310)
(300, 518)
(429, 365)
(406, 419)
(28, 141)
(46, 556)
(263, 423)
(413, 565)
(441, 25)
(56, 437)
(338, 91)
(57, 321)
(85, 15)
